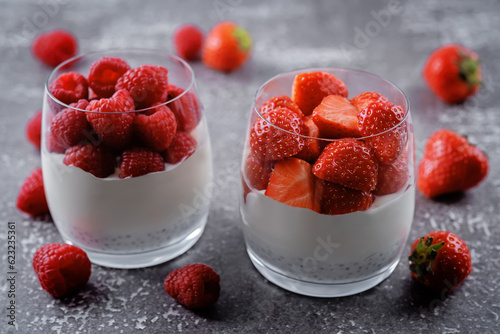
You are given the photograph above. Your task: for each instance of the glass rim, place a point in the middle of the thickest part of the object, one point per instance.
(326, 69)
(103, 52)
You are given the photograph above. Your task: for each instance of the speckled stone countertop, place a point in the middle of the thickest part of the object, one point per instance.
(288, 35)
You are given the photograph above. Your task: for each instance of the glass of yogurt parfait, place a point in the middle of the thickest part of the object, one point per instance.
(126, 156)
(328, 189)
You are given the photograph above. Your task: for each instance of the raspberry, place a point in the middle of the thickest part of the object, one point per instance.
(140, 161)
(34, 129)
(69, 127)
(110, 119)
(182, 147)
(147, 85)
(185, 108)
(188, 39)
(54, 47)
(61, 269)
(31, 198)
(95, 160)
(104, 73)
(195, 285)
(70, 87)
(156, 130)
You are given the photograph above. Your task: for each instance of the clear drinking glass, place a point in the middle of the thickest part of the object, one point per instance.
(322, 255)
(138, 221)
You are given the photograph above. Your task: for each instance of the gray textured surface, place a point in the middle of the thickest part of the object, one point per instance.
(288, 36)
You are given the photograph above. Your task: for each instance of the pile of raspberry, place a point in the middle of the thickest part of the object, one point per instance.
(121, 116)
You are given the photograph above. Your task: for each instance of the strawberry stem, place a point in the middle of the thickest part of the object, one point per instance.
(422, 256)
(469, 70)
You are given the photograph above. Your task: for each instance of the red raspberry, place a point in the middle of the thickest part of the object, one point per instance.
(195, 285)
(54, 47)
(140, 161)
(111, 120)
(104, 73)
(188, 39)
(93, 159)
(147, 85)
(158, 129)
(182, 147)
(31, 198)
(185, 108)
(70, 87)
(69, 127)
(34, 129)
(61, 269)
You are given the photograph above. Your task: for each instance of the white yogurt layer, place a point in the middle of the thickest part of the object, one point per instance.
(135, 214)
(328, 248)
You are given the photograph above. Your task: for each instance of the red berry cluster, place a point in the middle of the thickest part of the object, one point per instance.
(362, 151)
(128, 119)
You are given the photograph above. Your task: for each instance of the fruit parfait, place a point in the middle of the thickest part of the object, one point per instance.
(328, 180)
(126, 156)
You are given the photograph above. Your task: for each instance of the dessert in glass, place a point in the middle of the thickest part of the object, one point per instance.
(126, 156)
(328, 190)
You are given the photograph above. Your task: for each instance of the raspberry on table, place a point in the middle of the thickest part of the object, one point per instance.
(156, 130)
(182, 147)
(93, 159)
(188, 40)
(70, 87)
(139, 161)
(104, 73)
(185, 108)
(70, 126)
(61, 269)
(31, 198)
(54, 47)
(195, 285)
(147, 85)
(34, 129)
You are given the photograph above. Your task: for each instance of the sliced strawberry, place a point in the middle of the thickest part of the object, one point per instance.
(348, 162)
(292, 183)
(336, 117)
(337, 200)
(309, 89)
(393, 177)
(258, 172)
(312, 148)
(282, 101)
(270, 142)
(377, 118)
(363, 100)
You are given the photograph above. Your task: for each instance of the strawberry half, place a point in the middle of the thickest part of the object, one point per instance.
(309, 89)
(363, 100)
(292, 183)
(377, 118)
(348, 162)
(337, 200)
(282, 101)
(312, 147)
(269, 142)
(393, 177)
(336, 117)
(258, 172)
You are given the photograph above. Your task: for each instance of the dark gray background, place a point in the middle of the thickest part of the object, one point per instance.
(288, 35)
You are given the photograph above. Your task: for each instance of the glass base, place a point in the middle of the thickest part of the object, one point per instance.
(325, 290)
(143, 259)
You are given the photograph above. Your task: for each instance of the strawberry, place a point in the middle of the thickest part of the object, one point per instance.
(292, 183)
(156, 130)
(185, 107)
(310, 88)
(377, 118)
(440, 260)
(34, 129)
(348, 162)
(450, 164)
(337, 200)
(182, 147)
(270, 142)
(282, 101)
(363, 100)
(312, 147)
(31, 198)
(258, 172)
(227, 47)
(453, 73)
(336, 117)
(393, 177)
